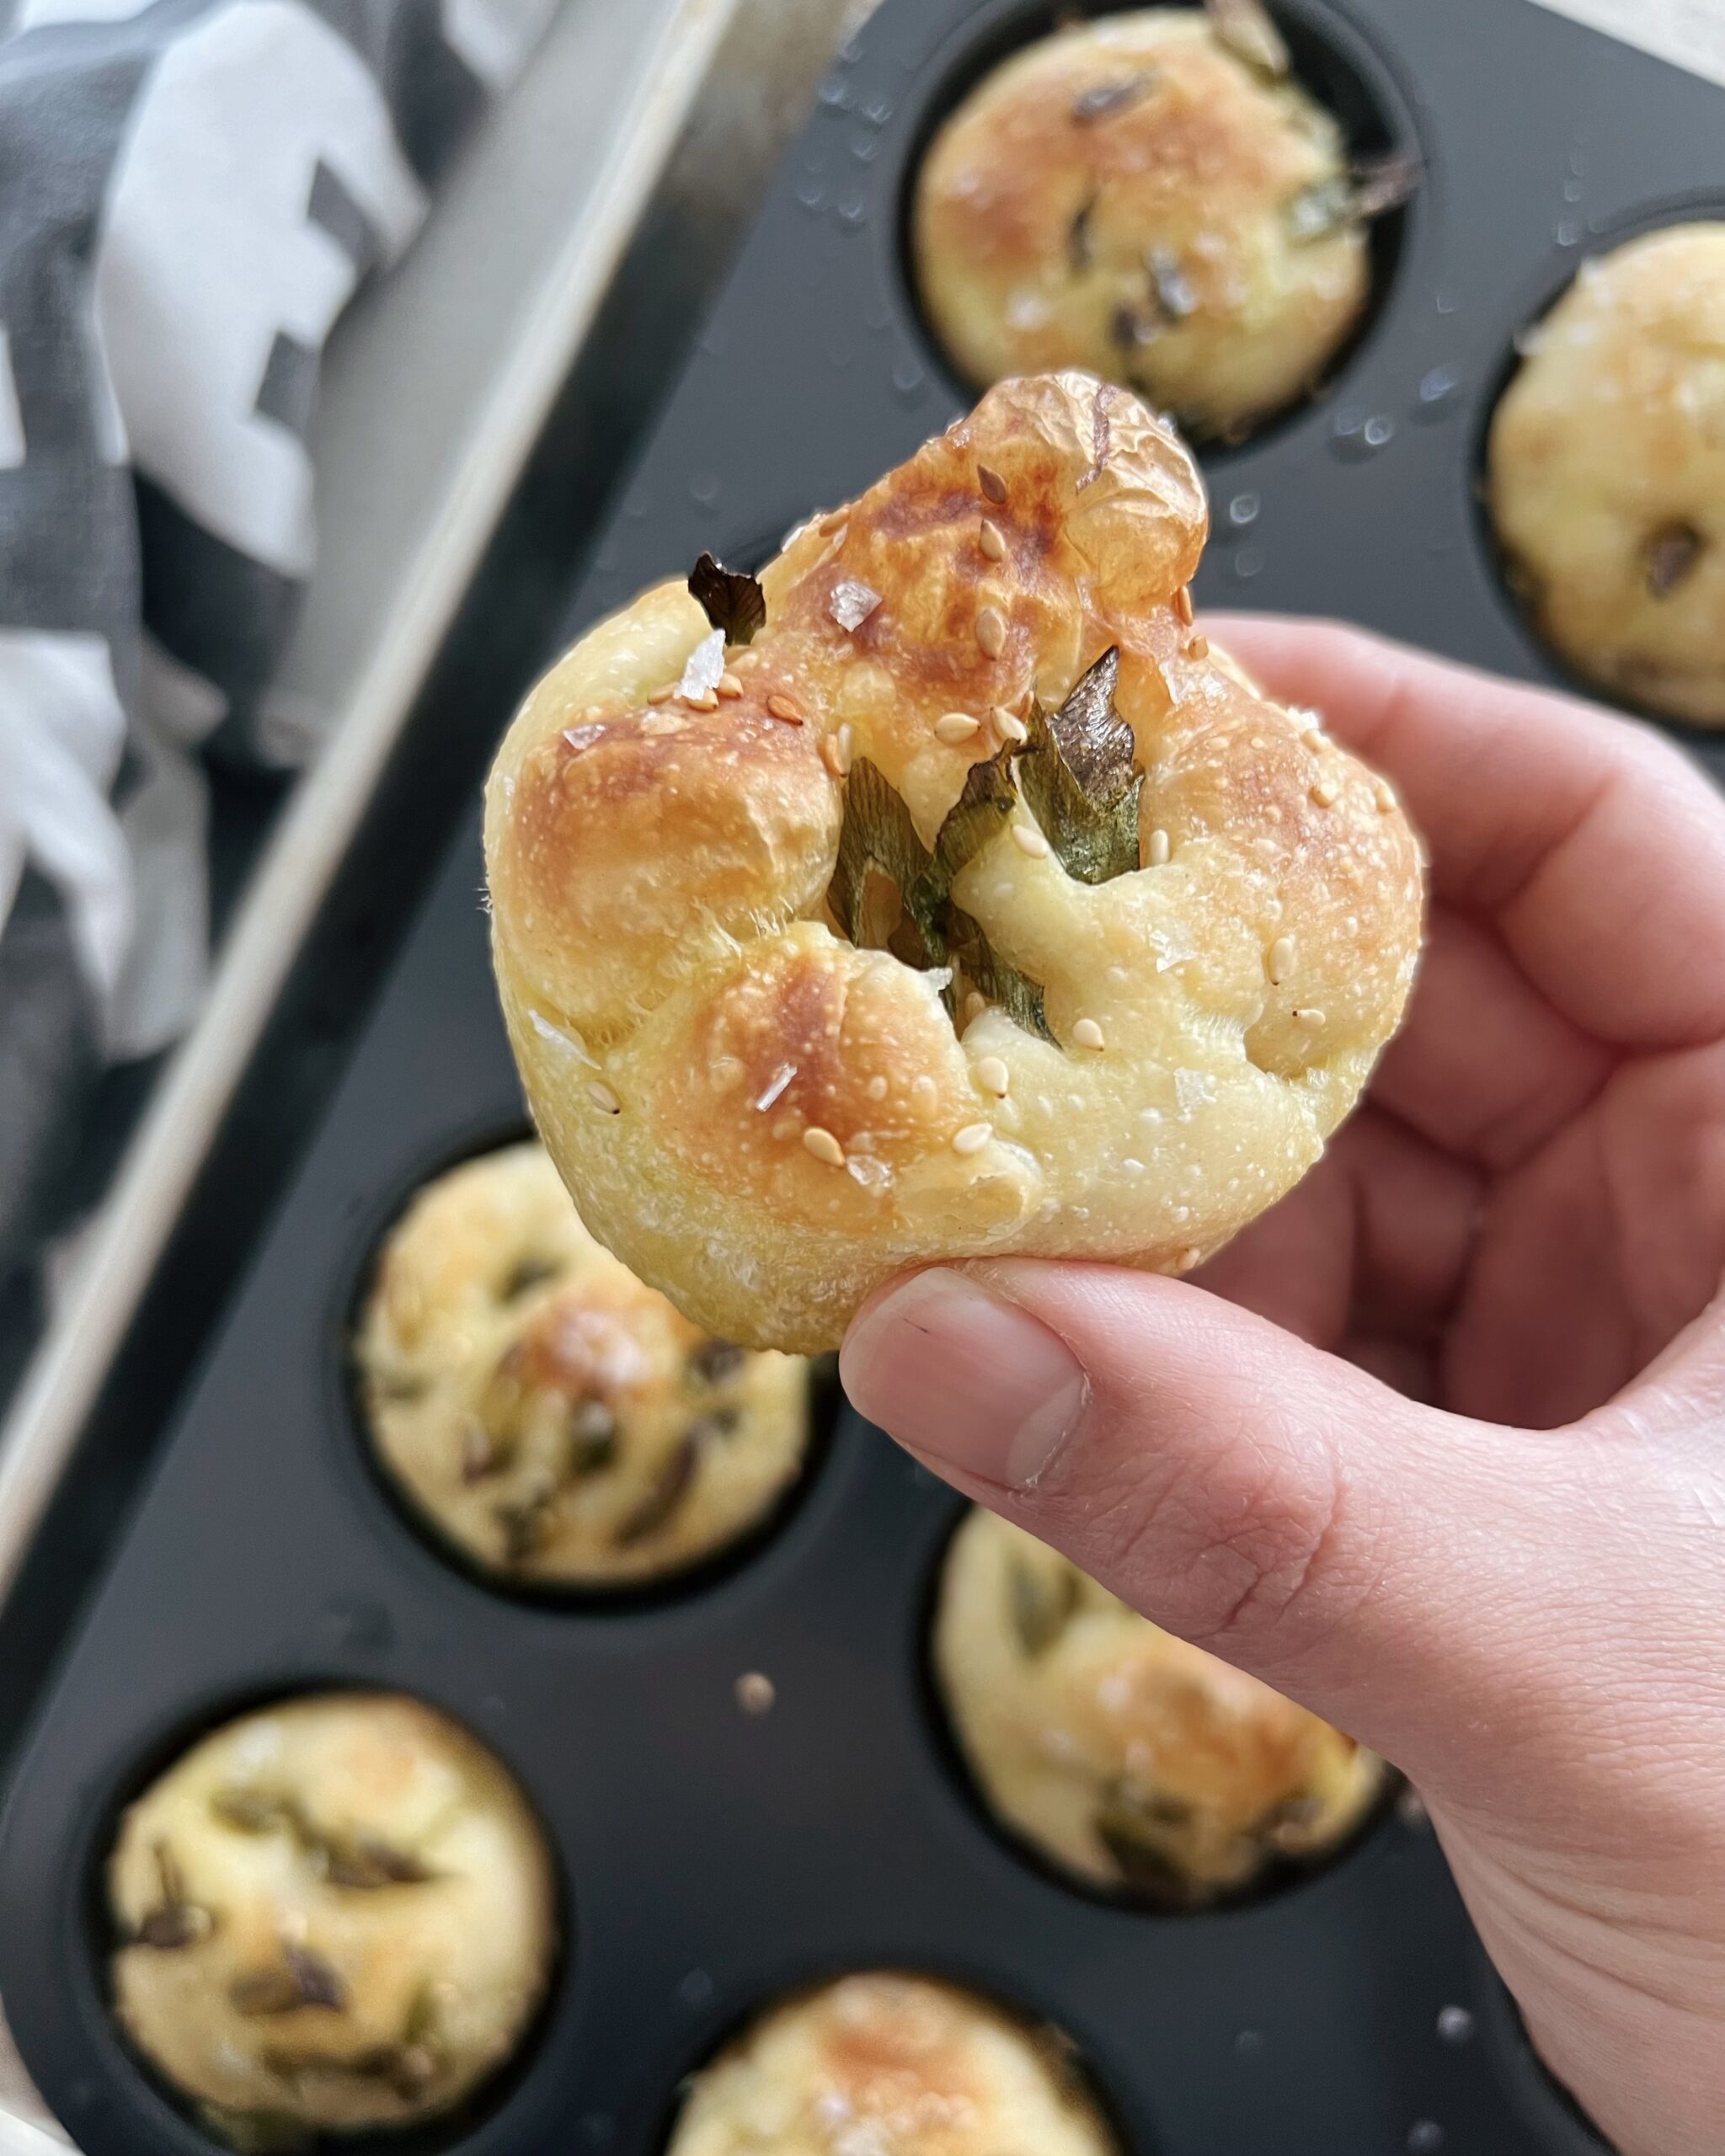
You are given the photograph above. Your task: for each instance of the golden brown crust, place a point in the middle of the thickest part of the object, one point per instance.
(765, 1124)
(557, 1420)
(1155, 239)
(1607, 473)
(338, 1911)
(883, 2064)
(1130, 1758)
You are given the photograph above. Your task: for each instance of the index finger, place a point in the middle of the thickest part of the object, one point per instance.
(1597, 850)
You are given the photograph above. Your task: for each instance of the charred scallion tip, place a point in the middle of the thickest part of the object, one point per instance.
(731, 599)
(400, 1391)
(1078, 254)
(1371, 188)
(361, 1860)
(300, 1979)
(1133, 1829)
(529, 1273)
(1669, 557)
(1041, 1604)
(526, 1524)
(176, 1921)
(1102, 99)
(1245, 28)
(1077, 776)
(593, 1436)
(661, 1503)
(366, 1862)
(715, 1360)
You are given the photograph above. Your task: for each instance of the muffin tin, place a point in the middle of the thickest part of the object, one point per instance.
(716, 1855)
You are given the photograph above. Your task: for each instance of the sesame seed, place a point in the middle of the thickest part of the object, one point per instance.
(823, 1146)
(1305, 1015)
(1182, 604)
(876, 1089)
(1312, 737)
(601, 1097)
(972, 1138)
(1197, 648)
(1028, 839)
(991, 483)
(781, 707)
(706, 701)
(1325, 792)
(1159, 849)
(1010, 727)
(1281, 960)
(1187, 1258)
(664, 695)
(993, 1076)
(1086, 1033)
(836, 751)
(834, 520)
(991, 631)
(1385, 797)
(954, 727)
(730, 685)
(991, 541)
(755, 1692)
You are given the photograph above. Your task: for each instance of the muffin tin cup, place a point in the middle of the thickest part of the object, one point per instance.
(715, 1858)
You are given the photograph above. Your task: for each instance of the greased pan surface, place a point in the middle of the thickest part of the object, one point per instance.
(711, 1860)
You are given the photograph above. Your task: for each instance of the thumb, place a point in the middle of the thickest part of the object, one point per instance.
(1364, 1555)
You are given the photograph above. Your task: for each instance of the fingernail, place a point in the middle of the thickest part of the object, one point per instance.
(964, 1379)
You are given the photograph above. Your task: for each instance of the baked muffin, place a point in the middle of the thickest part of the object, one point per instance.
(1607, 473)
(1131, 1759)
(890, 2065)
(559, 1422)
(971, 904)
(336, 1914)
(1149, 196)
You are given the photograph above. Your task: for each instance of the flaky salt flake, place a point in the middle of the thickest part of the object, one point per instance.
(853, 602)
(703, 667)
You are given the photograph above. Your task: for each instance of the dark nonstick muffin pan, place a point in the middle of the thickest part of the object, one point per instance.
(714, 1858)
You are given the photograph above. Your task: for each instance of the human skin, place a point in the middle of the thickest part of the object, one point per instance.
(1437, 1446)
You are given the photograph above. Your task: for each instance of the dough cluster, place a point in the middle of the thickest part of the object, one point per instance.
(1607, 473)
(559, 1422)
(335, 1913)
(1133, 1760)
(1132, 196)
(890, 2065)
(765, 1119)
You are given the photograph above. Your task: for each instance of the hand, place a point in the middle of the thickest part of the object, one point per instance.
(1437, 1446)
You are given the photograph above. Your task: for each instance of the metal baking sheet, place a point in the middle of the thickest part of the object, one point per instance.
(719, 1858)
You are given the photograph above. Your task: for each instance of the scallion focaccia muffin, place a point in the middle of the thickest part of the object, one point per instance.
(1152, 196)
(968, 902)
(560, 1423)
(1131, 1759)
(890, 2065)
(335, 1913)
(1607, 473)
